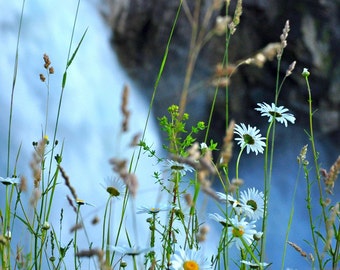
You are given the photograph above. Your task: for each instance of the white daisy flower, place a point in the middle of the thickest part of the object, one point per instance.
(204, 146)
(81, 202)
(279, 113)
(250, 138)
(255, 202)
(218, 218)
(152, 210)
(176, 166)
(9, 180)
(254, 265)
(129, 251)
(241, 229)
(237, 206)
(115, 187)
(189, 260)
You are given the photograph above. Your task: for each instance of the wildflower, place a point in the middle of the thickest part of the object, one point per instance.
(114, 187)
(130, 251)
(179, 167)
(203, 146)
(237, 206)
(46, 226)
(80, 202)
(218, 219)
(258, 236)
(8, 234)
(9, 180)
(254, 199)
(305, 73)
(250, 138)
(152, 210)
(278, 113)
(241, 230)
(255, 265)
(189, 260)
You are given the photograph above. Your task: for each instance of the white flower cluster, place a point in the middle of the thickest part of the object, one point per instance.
(241, 219)
(250, 137)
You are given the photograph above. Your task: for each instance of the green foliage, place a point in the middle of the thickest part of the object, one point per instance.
(178, 137)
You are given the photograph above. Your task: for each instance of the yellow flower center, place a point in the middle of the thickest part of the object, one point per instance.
(113, 191)
(238, 231)
(190, 265)
(154, 210)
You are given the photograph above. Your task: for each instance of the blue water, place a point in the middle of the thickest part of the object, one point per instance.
(90, 122)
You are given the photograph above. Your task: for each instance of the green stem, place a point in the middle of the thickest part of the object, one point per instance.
(316, 164)
(75, 247)
(267, 180)
(122, 216)
(310, 216)
(13, 88)
(238, 161)
(290, 219)
(107, 215)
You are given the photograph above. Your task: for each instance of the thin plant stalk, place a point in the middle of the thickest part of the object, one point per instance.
(317, 169)
(159, 75)
(15, 72)
(267, 181)
(291, 214)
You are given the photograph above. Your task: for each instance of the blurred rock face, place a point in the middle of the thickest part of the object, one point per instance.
(141, 30)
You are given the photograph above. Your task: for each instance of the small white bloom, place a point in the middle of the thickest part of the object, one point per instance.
(152, 210)
(255, 202)
(237, 206)
(218, 218)
(176, 166)
(80, 202)
(9, 180)
(258, 236)
(46, 226)
(129, 251)
(280, 113)
(8, 235)
(241, 229)
(250, 138)
(115, 187)
(305, 73)
(204, 145)
(254, 265)
(189, 260)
